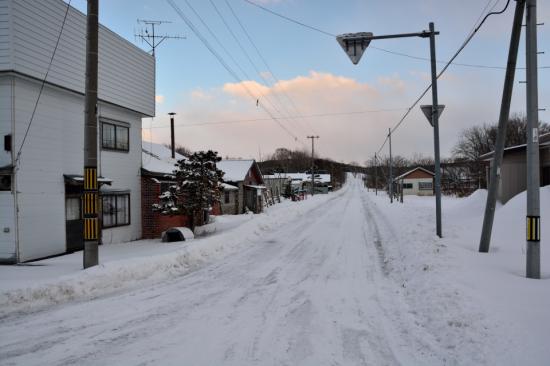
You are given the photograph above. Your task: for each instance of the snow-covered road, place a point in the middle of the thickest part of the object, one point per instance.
(312, 292)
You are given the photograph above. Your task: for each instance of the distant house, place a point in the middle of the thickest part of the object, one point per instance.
(302, 181)
(40, 205)
(418, 181)
(513, 170)
(277, 184)
(246, 176)
(157, 174)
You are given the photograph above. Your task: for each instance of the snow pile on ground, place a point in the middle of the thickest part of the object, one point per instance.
(122, 274)
(479, 307)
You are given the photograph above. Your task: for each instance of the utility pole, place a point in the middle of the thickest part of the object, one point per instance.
(390, 190)
(172, 134)
(494, 179)
(152, 39)
(435, 122)
(312, 162)
(533, 173)
(90, 197)
(375, 175)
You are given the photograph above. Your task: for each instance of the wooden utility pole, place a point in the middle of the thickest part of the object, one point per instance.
(312, 162)
(390, 188)
(375, 174)
(90, 199)
(507, 90)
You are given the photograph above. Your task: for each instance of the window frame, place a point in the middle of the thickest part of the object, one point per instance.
(408, 185)
(116, 127)
(9, 180)
(227, 197)
(422, 186)
(115, 214)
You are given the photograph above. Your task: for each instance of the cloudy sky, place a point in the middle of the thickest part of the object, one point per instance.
(303, 78)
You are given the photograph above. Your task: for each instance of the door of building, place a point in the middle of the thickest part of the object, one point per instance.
(74, 223)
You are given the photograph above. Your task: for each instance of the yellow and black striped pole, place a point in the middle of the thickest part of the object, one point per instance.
(533, 159)
(90, 203)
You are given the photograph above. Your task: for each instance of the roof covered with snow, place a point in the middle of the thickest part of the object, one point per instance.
(544, 143)
(235, 170)
(304, 177)
(157, 158)
(413, 170)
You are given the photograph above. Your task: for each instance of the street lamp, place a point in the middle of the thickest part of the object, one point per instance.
(354, 44)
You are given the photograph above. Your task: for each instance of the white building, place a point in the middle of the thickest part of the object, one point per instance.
(39, 197)
(417, 181)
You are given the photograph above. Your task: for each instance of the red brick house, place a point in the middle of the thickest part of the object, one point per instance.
(156, 177)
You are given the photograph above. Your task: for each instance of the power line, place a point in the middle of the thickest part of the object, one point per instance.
(379, 48)
(225, 65)
(290, 19)
(247, 55)
(468, 39)
(222, 46)
(300, 116)
(277, 81)
(42, 86)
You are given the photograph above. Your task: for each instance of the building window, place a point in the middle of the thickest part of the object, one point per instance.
(226, 196)
(425, 186)
(115, 137)
(72, 208)
(407, 185)
(116, 210)
(5, 182)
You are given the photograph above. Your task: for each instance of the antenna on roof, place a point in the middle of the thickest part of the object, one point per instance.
(148, 35)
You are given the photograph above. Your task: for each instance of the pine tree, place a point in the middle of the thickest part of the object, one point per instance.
(197, 186)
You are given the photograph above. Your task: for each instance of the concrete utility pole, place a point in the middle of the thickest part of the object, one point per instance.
(533, 173)
(494, 179)
(312, 162)
(90, 197)
(375, 174)
(435, 122)
(172, 134)
(390, 189)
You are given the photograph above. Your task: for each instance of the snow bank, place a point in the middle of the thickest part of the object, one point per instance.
(125, 274)
(478, 307)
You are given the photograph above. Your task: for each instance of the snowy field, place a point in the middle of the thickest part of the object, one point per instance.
(338, 279)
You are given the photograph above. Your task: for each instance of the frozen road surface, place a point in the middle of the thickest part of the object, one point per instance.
(312, 292)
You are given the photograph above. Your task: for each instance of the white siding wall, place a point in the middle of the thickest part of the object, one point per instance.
(5, 118)
(7, 205)
(415, 190)
(125, 169)
(54, 147)
(126, 73)
(5, 40)
(7, 227)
